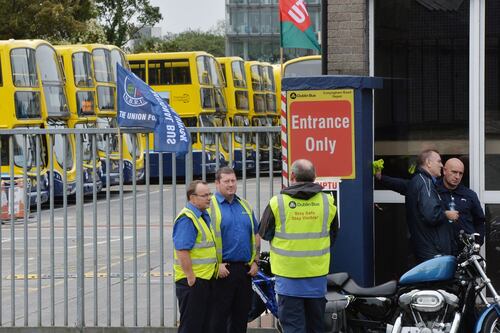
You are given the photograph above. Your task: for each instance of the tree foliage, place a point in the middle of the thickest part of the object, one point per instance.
(53, 20)
(122, 19)
(191, 40)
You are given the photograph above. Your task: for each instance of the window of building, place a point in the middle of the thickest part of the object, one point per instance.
(254, 21)
(238, 21)
(275, 20)
(266, 21)
(237, 48)
(493, 242)
(491, 98)
(423, 56)
(254, 49)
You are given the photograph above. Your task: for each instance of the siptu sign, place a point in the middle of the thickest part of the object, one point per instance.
(321, 129)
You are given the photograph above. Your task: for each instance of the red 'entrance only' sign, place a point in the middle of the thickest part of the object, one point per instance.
(320, 127)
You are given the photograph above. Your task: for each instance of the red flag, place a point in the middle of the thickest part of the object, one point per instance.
(295, 11)
(296, 29)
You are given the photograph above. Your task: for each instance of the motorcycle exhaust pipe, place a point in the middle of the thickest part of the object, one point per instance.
(396, 328)
(456, 322)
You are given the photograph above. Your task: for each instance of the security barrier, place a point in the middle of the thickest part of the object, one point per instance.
(102, 258)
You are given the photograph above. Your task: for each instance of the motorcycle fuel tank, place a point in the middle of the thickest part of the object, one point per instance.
(435, 269)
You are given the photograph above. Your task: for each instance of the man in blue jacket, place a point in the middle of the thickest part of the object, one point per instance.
(471, 216)
(426, 215)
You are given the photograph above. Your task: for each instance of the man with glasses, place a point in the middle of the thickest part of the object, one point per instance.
(238, 247)
(195, 264)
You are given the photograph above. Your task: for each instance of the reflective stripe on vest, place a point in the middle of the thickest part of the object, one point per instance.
(216, 218)
(203, 255)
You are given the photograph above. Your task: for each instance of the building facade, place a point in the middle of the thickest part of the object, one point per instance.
(253, 29)
(441, 69)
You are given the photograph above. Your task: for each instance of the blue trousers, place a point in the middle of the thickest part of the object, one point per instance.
(232, 301)
(301, 315)
(194, 303)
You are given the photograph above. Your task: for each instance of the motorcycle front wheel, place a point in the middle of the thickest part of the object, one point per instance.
(491, 323)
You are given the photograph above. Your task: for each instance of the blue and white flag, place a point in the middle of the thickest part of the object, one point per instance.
(141, 106)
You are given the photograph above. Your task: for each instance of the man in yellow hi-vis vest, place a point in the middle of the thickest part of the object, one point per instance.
(238, 247)
(195, 263)
(300, 226)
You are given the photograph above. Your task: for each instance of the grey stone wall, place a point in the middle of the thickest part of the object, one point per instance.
(348, 37)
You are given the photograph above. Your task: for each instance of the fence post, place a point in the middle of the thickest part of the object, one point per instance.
(80, 293)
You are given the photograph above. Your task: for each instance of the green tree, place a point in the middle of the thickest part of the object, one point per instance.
(122, 19)
(191, 40)
(53, 20)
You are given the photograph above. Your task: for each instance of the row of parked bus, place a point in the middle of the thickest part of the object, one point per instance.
(61, 87)
(74, 86)
(216, 92)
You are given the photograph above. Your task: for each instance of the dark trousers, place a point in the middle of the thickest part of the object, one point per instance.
(301, 315)
(232, 301)
(194, 304)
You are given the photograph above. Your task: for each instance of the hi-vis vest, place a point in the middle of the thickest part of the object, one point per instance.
(301, 244)
(203, 256)
(216, 218)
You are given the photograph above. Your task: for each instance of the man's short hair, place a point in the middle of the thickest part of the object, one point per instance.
(191, 189)
(424, 156)
(224, 171)
(304, 170)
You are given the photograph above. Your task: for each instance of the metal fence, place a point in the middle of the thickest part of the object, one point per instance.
(101, 258)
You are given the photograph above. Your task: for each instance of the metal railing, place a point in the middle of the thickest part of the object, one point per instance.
(101, 259)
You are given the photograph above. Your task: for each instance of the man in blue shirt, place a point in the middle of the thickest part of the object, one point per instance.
(238, 247)
(195, 263)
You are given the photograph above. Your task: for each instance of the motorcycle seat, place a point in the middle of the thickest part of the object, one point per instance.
(337, 280)
(386, 289)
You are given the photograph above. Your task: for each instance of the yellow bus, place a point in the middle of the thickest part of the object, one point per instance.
(272, 98)
(55, 112)
(80, 91)
(191, 83)
(21, 96)
(130, 140)
(258, 108)
(238, 108)
(105, 88)
(302, 66)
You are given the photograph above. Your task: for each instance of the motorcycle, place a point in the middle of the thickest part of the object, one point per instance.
(436, 296)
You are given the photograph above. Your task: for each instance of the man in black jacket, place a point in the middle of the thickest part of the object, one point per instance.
(427, 218)
(471, 216)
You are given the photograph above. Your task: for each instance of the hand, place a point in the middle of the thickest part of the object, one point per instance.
(223, 271)
(254, 268)
(451, 215)
(378, 175)
(191, 280)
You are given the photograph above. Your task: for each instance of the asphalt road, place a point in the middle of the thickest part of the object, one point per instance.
(122, 270)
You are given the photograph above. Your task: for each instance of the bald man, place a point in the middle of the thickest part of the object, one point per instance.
(471, 216)
(470, 213)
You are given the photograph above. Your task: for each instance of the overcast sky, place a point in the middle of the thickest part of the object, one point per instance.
(181, 15)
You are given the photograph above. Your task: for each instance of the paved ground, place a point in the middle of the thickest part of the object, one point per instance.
(122, 273)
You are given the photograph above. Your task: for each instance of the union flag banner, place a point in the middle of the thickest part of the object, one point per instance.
(141, 106)
(296, 29)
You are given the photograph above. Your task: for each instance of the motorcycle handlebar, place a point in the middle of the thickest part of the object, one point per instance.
(469, 240)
